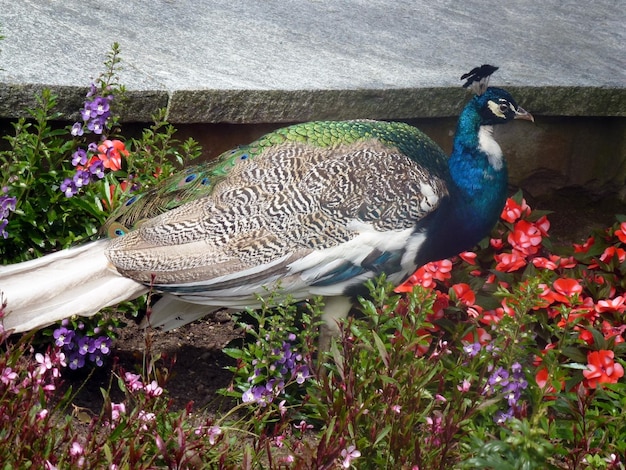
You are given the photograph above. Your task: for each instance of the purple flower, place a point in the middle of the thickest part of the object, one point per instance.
(92, 90)
(96, 125)
(500, 416)
(81, 178)
(100, 106)
(63, 336)
(96, 168)
(76, 361)
(472, 349)
(69, 187)
(7, 205)
(500, 377)
(302, 375)
(103, 343)
(97, 359)
(85, 113)
(86, 346)
(79, 157)
(77, 129)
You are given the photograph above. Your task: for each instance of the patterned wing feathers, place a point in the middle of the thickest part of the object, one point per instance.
(303, 194)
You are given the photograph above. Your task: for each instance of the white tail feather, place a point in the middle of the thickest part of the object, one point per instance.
(78, 281)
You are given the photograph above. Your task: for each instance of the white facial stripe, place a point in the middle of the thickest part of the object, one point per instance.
(495, 109)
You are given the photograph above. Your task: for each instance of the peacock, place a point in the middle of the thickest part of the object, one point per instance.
(313, 209)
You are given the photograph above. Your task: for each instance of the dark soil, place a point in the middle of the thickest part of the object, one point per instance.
(192, 355)
(200, 365)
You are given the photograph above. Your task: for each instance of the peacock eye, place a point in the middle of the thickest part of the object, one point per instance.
(504, 107)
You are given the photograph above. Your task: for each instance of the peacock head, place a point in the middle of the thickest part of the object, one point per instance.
(497, 106)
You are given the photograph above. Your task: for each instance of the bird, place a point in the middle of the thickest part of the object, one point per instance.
(312, 209)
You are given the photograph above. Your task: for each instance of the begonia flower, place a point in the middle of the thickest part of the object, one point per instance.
(602, 368)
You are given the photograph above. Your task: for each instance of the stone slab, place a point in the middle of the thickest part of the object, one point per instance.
(293, 60)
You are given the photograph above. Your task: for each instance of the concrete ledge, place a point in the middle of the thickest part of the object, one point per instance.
(259, 106)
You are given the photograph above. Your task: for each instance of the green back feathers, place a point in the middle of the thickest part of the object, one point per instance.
(199, 180)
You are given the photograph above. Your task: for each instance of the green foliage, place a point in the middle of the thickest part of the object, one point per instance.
(32, 168)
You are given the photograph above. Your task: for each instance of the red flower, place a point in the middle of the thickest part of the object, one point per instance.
(479, 336)
(616, 332)
(539, 359)
(426, 275)
(584, 248)
(465, 294)
(602, 368)
(440, 269)
(509, 262)
(612, 305)
(612, 251)
(513, 211)
(469, 257)
(496, 243)
(549, 387)
(567, 263)
(565, 288)
(492, 316)
(420, 277)
(544, 263)
(621, 232)
(111, 152)
(586, 336)
(554, 262)
(525, 237)
(543, 224)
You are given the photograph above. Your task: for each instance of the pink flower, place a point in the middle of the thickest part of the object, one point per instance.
(303, 426)
(464, 386)
(278, 441)
(213, 432)
(348, 455)
(133, 381)
(117, 410)
(8, 376)
(76, 449)
(153, 389)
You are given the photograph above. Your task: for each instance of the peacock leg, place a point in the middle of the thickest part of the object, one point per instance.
(336, 309)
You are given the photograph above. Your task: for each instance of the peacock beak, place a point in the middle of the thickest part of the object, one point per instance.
(521, 113)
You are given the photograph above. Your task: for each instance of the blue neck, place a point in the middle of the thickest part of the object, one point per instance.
(480, 185)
